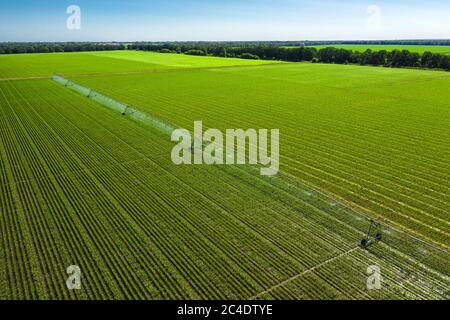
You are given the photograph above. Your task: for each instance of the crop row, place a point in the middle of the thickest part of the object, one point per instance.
(89, 187)
(253, 185)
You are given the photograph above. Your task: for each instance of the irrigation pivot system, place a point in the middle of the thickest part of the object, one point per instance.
(373, 236)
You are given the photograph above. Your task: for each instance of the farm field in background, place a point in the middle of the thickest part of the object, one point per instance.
(44, 65)
(82, 184)
(179, 60)
(411, 48)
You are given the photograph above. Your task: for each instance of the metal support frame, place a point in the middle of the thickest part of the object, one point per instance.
(373, 236)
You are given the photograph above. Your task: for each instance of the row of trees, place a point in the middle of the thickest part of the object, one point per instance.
(395, 58)
(15, 48)
(266, 52)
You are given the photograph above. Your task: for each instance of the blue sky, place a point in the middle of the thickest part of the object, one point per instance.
(159, 20)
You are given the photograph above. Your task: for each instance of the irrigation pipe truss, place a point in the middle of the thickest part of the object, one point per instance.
(167, 127)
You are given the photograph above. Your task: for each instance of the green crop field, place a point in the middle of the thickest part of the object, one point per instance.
(411, 48)
(178, 60)
(44, 65)
(81, 184)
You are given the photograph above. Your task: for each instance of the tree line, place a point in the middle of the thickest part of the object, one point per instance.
(39, 47)
(395, 58)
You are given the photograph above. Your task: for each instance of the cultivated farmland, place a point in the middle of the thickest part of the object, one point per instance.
(81, 184)
(411, 48)
(44, 65)
(373, 137)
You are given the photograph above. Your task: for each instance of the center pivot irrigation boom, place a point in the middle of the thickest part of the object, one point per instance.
(373, 236)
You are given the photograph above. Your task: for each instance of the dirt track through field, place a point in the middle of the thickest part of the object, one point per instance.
(303, 273)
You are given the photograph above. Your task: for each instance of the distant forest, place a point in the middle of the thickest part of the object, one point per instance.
(267, 50)
(303, 52)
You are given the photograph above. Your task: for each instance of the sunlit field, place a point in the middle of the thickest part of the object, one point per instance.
(411, 48)
(82, 183)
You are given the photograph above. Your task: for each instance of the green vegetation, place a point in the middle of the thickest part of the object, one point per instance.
(249, 56)
(82, 184)
(372, 136)
(35, 65)
(410, 48)
(42, 47)
(195, 53)
(329, 54)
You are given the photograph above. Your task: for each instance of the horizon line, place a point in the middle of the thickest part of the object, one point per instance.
(181, 41)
